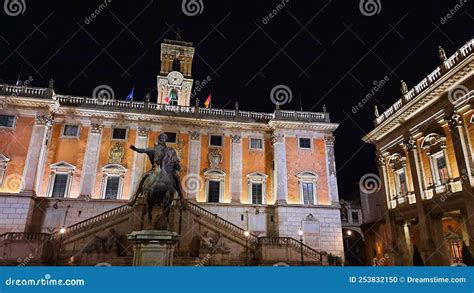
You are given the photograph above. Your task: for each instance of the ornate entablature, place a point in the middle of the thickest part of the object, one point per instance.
(432, 88)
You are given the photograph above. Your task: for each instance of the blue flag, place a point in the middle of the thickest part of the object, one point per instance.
(130, 95)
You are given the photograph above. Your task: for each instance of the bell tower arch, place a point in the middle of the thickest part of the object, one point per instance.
(175, 79)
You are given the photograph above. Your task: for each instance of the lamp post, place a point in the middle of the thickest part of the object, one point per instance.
(61, 232)
(300, 232)
(346, 238)
(247, 234)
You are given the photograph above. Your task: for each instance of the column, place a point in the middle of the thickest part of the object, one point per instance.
(461, 153)
(331, 170)
(394, 256)
(193, 182)
(279, 168)
(403, 258)
(441, 247)
(139, 160)
(427, 248)
(91, 158)
(36, 149)
(236, 168)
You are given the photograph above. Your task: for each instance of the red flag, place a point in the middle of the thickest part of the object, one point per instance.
(207, 103)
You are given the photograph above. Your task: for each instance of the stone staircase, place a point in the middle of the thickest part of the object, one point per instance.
(102, 240)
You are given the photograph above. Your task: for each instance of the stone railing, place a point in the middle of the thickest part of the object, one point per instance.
(27, 91)
(221, 223)
(24, 236)
(94, 221)
(293, 243)
(431, 78)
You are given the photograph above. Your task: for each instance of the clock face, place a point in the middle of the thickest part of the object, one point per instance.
(175, 78)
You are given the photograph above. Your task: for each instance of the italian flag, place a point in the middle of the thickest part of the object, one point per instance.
(207, 103)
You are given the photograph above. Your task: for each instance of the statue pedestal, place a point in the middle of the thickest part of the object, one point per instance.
(153, 247)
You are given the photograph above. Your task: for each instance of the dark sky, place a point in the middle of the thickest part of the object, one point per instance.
(325, 51)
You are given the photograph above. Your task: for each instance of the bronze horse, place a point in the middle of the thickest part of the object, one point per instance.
(159, 187)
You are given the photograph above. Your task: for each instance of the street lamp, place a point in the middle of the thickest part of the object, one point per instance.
(61, 232)
(247, 234)
(300, 232)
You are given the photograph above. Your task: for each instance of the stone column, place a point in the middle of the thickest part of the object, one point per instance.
(236, 168)
(91, 158)
(331, 169)
(280, 168)
(461, 153)
(139, 160)
(426, 242)
(153, 247)
(441, 247)
(402, 257)
(36, 149)
(393, 255)
(192, 182)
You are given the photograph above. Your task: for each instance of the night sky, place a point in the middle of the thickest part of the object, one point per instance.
(326, 52)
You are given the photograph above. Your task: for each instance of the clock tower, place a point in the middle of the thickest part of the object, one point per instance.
(175, 80)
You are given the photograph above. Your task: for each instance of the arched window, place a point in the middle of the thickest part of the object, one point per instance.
(173, 97)
(435, 147)
(307, 186)
(214, 185)
(257, 187)
(112, 181)
(60, 179)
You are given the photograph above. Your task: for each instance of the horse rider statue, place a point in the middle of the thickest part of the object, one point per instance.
(156, 155)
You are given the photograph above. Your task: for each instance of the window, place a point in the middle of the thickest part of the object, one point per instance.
(308, 193)
(256, 187)
(59, 186)
(171, 137)
(213, 191)
(355, 217)
(112, 181)
(256, 143)
(442, 169)
(214, 185)
(119, 133)
(401, 182)
(71, 130)
(112, 187)
(307, 185)
(60, 179)
(215, 140)
(7, 121)
(304, 143)
(257, 193)
(3, 167)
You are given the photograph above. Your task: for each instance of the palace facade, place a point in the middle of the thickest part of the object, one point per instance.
(65, 160)
(424, 145)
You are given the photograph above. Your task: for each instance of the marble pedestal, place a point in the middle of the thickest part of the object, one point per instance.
(153, 247)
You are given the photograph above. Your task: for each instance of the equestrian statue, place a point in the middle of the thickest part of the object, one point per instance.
(160, 184)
